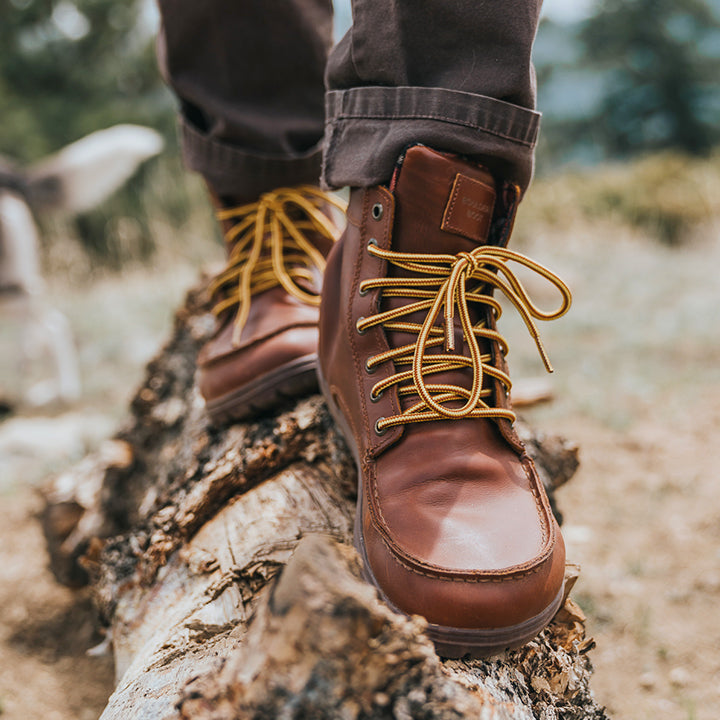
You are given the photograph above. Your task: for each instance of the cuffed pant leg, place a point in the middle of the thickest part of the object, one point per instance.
(452, 74)
(249, 77)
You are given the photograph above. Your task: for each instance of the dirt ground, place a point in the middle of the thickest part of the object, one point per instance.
(45, 630)
(637, 386)
(642, 520)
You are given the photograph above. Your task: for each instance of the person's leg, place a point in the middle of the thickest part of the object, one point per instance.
(455, 75)
(430, 118)
(249, 77)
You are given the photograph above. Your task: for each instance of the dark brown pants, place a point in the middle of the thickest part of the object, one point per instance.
(452, 74)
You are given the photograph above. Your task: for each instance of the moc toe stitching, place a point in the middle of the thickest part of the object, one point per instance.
(421, 567)
(251, 344)
(499, 576)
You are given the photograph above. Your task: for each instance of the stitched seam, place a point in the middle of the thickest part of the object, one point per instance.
(419, 568)
(337, 398)
(378, 336)
(440, 118)
(541, 505)
(447, 221)
(351, 329)
(225, 158)
(439, 574)
(329, 145)
(451, 205)
(257, 342)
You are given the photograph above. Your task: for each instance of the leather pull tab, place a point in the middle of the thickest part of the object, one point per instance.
(469, 208)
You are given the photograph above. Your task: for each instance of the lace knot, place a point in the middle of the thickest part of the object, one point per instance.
(448, 290)
(465, 259)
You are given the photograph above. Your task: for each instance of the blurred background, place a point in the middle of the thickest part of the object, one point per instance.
(625, 206)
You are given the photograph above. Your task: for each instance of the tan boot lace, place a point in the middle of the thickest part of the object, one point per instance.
(270, 247)
(450, 282)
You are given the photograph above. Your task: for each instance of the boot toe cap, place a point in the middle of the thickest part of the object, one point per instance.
(499, 607)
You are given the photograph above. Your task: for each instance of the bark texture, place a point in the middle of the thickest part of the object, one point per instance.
(221, 562)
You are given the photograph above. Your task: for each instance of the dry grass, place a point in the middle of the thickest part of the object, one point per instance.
(638, 387)
(667, 196)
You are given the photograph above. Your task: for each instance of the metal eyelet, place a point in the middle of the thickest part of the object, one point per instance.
(362, 292)
(372, 242)
(378, 430)
(377, 211)
(376, 397)
(363, 331)
(369, 369)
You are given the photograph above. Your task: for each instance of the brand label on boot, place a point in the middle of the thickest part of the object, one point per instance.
(469, 208)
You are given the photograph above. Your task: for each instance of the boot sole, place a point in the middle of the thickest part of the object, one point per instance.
(287, 382)
(454, 643)
(450, 642)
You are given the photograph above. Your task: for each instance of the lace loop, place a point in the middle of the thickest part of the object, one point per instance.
(448, 284)
(270, 247)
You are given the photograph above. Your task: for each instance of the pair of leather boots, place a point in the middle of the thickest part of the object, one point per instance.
(452, 521)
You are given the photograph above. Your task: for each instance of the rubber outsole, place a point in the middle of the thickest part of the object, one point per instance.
(450, 642)
(284, 383)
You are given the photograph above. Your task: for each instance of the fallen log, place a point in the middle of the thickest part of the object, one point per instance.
(220, 560)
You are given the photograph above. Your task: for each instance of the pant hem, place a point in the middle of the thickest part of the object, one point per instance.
(230, 170)
(368, 128)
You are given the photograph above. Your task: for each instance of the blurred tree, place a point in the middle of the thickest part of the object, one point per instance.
(661, 64)
(68, 67)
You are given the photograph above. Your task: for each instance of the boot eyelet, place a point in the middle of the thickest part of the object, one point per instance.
(369, 368)
(362, 292)
(376, 397)
(378, 430)
(372, 242)
(377, 211)
(360, 331)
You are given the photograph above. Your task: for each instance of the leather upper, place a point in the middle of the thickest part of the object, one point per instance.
(455, 522)
(279, 328)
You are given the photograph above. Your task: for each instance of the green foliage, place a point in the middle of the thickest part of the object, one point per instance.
(662, 64)
(68, 68)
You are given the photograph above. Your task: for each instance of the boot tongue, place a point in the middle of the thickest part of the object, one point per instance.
(442, 204)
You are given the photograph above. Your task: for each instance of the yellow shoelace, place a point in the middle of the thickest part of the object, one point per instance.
(270, 247)
(443, 285)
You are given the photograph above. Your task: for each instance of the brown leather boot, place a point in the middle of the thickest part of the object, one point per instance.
(452, 521)
(265, 346)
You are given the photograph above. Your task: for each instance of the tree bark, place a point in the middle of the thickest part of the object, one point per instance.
(221, 562)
